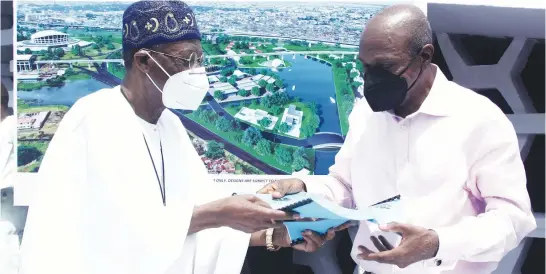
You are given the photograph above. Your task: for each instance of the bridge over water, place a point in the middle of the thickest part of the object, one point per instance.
(281, 53)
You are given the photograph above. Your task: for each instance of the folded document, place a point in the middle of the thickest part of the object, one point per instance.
(329, 213)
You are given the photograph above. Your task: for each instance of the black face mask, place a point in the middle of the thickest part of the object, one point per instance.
(384, 90)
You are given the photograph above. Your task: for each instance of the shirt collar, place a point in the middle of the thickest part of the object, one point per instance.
(438, 100)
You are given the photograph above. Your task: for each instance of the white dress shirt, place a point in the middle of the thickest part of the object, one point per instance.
(457, 166)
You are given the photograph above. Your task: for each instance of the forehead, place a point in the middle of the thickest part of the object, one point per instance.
(381, 47)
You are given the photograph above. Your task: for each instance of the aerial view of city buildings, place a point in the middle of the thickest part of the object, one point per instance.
(283, 79)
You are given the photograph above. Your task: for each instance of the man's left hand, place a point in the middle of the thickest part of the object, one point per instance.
(417, 244)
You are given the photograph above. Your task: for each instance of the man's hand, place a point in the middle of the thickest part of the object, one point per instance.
(247, 213)
(312, 240)
(282, 187)
(417, 244)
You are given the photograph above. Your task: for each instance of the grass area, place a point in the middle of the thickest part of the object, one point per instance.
(22, 107)
(211, 49)
(230, 136)
(30, 86)
(117, 70)
(339, 83)
(78, 76)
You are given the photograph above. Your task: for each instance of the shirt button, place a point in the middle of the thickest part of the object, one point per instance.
(438, 262)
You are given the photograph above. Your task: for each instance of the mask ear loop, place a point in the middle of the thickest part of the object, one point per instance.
(418, 75)
(161, 67)
(153, 82)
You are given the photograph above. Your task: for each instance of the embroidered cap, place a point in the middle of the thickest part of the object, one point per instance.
(149, 23)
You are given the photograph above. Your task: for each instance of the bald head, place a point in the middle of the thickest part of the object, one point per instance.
(400, 31)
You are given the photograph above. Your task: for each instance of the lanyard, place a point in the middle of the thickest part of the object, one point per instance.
(161, 188)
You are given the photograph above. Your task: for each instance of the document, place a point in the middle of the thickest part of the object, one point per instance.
(328, 213)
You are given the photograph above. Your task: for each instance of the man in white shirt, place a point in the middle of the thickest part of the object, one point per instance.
(451, 154)
(121, 188)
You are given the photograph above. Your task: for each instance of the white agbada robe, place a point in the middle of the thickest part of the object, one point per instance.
(98, 207)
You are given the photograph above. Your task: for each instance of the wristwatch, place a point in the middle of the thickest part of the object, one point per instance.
(269, 240)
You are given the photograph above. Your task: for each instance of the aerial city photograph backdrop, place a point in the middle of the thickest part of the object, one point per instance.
(283, 79)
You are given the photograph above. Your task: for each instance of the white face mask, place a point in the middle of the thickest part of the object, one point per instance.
(184, 90)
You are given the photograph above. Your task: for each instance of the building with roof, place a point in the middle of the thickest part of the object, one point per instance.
(24, 62)
(246, 83)
(253, 116)
(294, 119)
(46, 39)
(226, 88)
(33, 120)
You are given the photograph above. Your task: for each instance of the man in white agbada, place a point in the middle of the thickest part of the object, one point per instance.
(123, 191)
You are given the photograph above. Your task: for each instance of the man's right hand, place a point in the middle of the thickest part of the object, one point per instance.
(249, 214)
(282, 187)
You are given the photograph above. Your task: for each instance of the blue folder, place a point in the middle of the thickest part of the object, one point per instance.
(329, 213)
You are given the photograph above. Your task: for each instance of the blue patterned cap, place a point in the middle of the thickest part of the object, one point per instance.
(149, 23)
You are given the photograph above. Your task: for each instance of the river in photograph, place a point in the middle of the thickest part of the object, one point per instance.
(66, 95)
(313, 82)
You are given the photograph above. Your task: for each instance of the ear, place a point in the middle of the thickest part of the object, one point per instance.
(427, 53)
(141, 61)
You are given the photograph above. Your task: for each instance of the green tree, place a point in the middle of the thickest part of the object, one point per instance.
(232, 81)
(215, 150)
(256, 91)
(264, 122)
(219, 95)
(266, 101)
(243, 93)
(284, 127)
(28, 51)
(277, 110)
(300, 163)
(300, 152)
(59, 52)
(283, 156)
(110, 47)
(356, 84)
(223, 79)
(313, 107)
(27, 154)
(227, 71)
(262, 83)
(270, 87)
(279, 83)
(354, 74)
(251, 136)
(252, 71)
(263, 147)
(224, 124)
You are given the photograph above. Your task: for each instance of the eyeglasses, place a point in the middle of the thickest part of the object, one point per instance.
(195, 61)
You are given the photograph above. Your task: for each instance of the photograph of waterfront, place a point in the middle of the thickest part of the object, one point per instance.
(283, 78)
